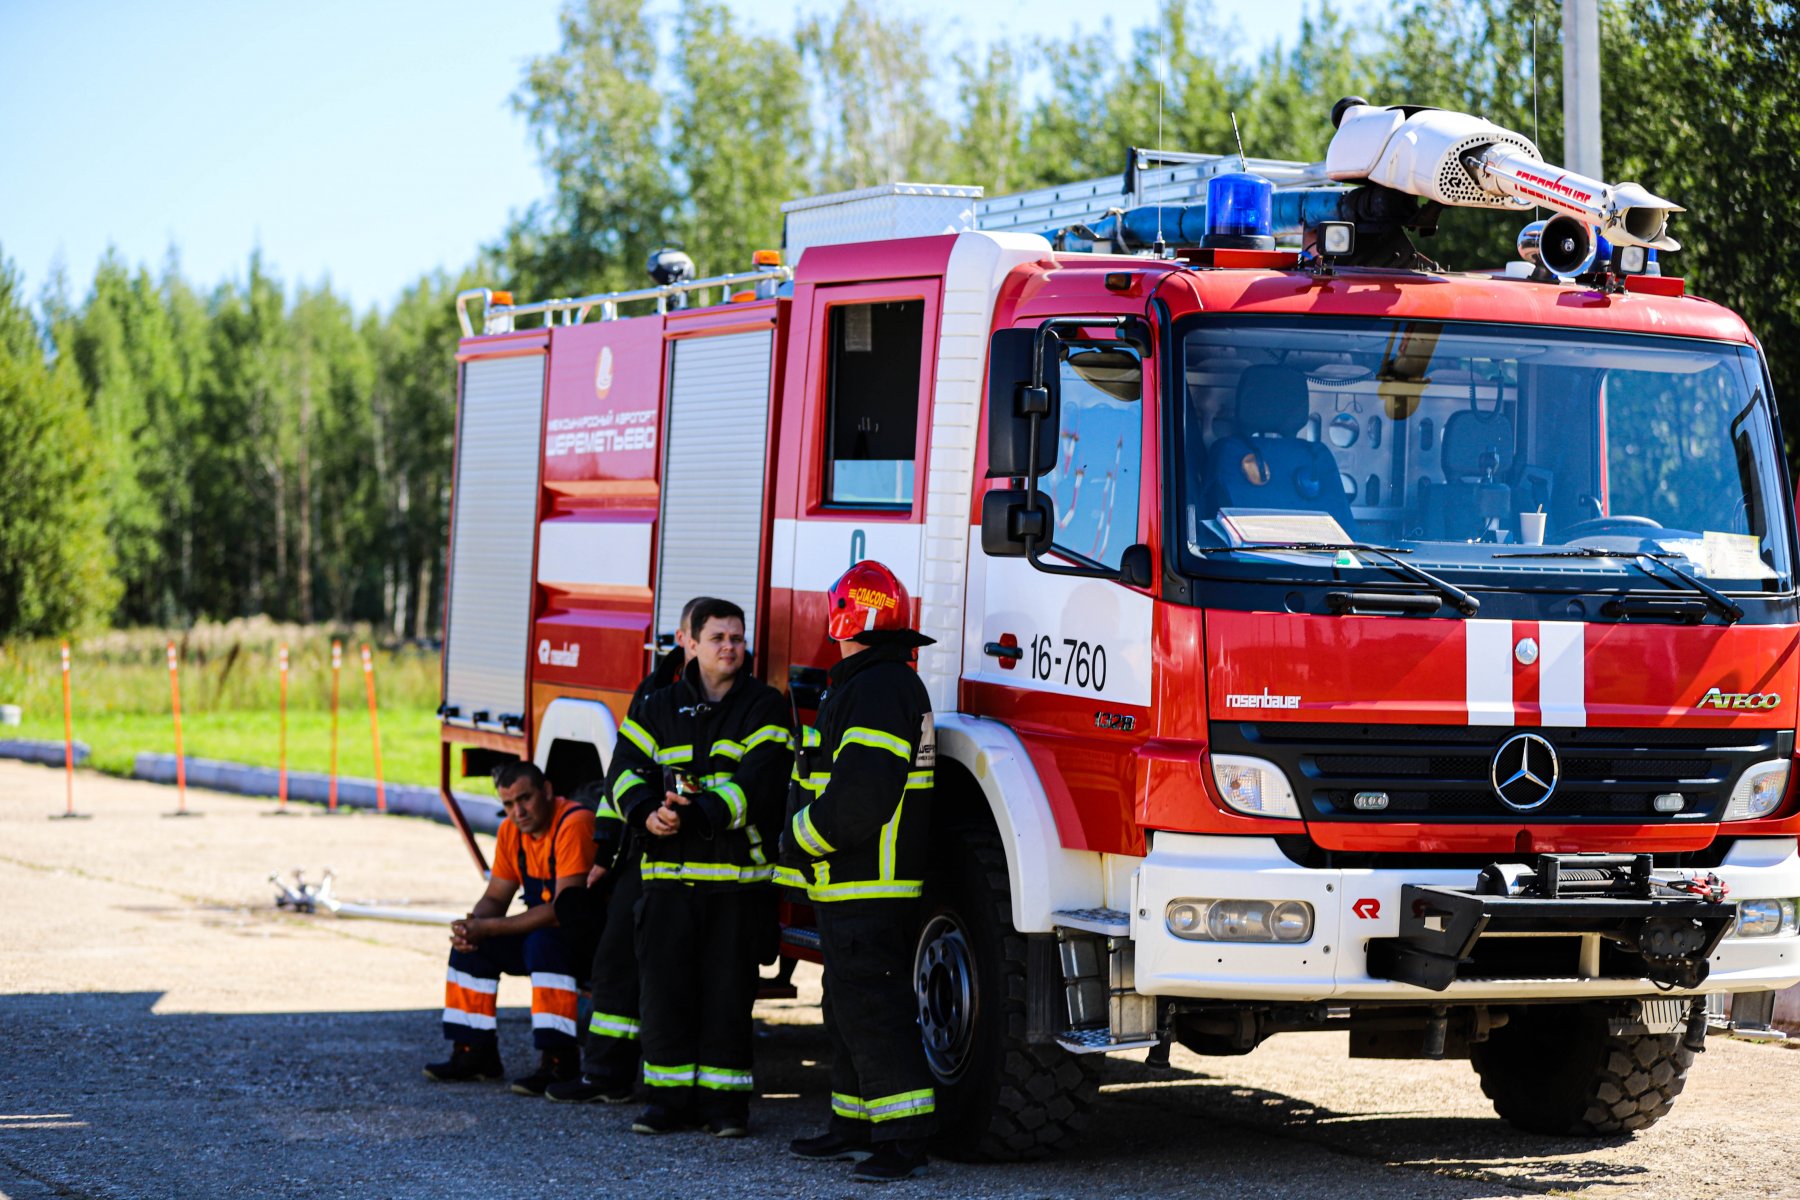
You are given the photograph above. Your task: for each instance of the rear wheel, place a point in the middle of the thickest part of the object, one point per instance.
(1000, 1097)
(1557, 1069)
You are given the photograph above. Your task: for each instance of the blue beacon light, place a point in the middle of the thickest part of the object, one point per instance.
(1237, 212)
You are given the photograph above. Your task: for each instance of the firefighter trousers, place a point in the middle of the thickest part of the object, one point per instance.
(696, 958)
(474, 978)
(610, 1054)
(881, 1089)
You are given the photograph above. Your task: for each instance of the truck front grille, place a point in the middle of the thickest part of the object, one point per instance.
(1441, 772)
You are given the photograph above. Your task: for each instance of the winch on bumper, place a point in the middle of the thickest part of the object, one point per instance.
(1662, 928)
(1365, 943)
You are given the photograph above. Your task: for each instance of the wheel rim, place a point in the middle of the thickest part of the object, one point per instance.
(944, 979)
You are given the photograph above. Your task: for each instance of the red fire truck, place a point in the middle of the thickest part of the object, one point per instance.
(1323, 640)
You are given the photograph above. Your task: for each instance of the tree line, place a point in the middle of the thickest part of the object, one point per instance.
(171, 451)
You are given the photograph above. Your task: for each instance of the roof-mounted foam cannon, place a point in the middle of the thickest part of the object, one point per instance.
(1464, 161)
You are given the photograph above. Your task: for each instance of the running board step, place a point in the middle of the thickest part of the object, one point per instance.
(1097, 1041)
(1107, 922)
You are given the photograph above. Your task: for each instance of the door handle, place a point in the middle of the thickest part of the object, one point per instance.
(998, 650)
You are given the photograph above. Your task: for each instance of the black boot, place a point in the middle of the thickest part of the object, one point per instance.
(468, 1063)
(554, 1066)
(587, 1090)
(829, 1147)
(892, 1162)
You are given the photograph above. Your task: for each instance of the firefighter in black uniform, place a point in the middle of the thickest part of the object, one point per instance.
(701, 777)
(609, 1056)
(855, 841)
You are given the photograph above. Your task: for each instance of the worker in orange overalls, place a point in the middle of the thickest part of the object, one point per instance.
(546, 844)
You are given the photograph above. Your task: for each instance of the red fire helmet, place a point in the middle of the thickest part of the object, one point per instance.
(867, 597)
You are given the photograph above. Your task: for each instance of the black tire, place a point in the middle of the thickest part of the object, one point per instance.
(1000, 1097)
(1556, 1069)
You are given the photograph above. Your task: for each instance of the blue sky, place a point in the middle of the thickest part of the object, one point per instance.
(364, 142)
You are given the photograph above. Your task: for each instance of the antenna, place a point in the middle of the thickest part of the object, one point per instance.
(1243, 163)
(1536, 138)
(1162, 70)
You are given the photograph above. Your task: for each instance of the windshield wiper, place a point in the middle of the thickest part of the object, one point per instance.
(1727, 607)
(1458, 599)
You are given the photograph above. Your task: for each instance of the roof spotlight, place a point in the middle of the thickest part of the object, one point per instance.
(669, 265)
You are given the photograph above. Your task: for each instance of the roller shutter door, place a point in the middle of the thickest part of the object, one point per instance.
(492, 534)
(713, 478)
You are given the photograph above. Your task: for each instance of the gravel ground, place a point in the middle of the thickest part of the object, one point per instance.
(166, 1033)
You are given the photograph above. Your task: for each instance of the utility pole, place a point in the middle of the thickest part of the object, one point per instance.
(1581, 87)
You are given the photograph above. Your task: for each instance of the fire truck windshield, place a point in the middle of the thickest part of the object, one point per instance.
(1469, 447)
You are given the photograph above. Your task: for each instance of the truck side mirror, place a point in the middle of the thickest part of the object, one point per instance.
(1013, 402)
(1136, 566)
(1006, 522)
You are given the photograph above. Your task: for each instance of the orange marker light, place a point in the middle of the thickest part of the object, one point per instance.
(766, 258)
(502, 297)
(368, 660)
(337, 670)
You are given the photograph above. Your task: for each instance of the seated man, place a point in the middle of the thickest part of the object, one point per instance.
(546, 844)
(1266, 464)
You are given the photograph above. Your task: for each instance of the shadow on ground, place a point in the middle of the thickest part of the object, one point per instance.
(102, 1096)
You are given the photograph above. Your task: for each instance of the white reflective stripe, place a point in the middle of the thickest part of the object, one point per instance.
(918, 779)
(1562, 672)
(724, 1080)
(544, 979)
(610, 1025)
(675, 754)
(552, 1021)
(474, 983)
(639, 737)
(682, 1076)
(456, 1016)
(1488, 659)
(734, 799)
(768, 733)
(862, 735)
(728, 749)
(849, 1106)
(904, 1105)
(897, 889)
(890, 835)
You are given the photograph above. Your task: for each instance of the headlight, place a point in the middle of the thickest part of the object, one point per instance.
(1240, 920)
(1759, 792)
(1254, 787)
(1765, 918)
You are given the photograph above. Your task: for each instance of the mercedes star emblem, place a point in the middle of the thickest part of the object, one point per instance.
(1525, 772)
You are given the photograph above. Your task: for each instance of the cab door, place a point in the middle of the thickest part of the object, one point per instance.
(1066, 660)
(859, 444)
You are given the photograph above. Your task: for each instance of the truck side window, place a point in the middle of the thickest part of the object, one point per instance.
(873, 402)
(1094, 485)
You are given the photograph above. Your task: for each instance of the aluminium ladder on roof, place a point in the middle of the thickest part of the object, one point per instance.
(1156, 177)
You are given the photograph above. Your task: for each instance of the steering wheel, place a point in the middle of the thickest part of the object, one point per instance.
(1600, 525)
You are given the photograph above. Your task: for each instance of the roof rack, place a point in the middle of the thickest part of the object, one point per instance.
(1150, 177)
(500, 318)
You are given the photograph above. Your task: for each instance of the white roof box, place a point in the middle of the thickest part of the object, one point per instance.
(893, 210)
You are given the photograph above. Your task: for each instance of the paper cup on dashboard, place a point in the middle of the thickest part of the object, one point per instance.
(1531, 528)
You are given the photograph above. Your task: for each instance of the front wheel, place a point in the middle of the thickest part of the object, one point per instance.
(1558, 1069)
(1000, 1097)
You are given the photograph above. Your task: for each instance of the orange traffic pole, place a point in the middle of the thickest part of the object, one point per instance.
(374, 728)
(68, 812)
(181, 808)
(281, 809)
(337, 670)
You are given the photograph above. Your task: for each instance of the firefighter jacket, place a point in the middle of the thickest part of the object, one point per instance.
(733, 756)
(611, 846)
(861, 795)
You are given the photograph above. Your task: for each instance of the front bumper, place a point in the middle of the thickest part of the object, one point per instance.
(1357, 909)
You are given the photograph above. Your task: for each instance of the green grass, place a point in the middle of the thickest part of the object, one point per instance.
(230, 698)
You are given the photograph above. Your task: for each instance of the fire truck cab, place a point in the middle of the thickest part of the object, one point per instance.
(1318, 645)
